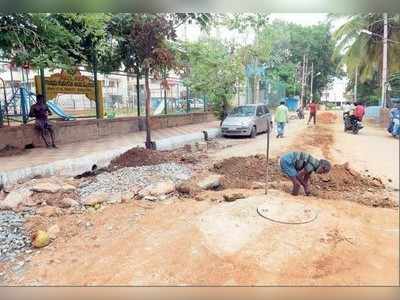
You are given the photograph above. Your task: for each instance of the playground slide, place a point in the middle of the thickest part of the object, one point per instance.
(159, 109)
(54, 107)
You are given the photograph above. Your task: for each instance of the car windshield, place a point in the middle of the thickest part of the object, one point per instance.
(243, 111)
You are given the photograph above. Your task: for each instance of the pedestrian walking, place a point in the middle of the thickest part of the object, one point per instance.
(281, 119)
(313, 112)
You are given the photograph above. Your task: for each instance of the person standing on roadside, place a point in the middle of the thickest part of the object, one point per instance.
(281, 118)
(313, 112)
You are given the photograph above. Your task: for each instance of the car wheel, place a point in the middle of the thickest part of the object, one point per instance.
(253, 132)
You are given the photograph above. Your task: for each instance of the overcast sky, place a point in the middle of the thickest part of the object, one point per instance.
(193, 33)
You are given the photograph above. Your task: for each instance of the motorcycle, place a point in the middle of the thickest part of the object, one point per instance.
(394, 128)
(300, 114)
(352, 124)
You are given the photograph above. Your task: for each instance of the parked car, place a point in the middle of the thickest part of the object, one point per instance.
(247, 120)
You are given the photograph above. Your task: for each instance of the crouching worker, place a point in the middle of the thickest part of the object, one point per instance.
(298, 166)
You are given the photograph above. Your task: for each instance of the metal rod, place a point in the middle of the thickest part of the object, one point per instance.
(43, 84)
(384, 59)
(266, 171)
(5, 103)
(96, 88)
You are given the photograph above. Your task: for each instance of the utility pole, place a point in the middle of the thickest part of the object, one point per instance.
(302, 81)
(355, 85)
(384, 60)
(312, 81)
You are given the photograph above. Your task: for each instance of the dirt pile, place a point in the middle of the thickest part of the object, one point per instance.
(9, 150)
(326, 117)
(137, 157)
(240, 172)
(341, 183)
(344, 179)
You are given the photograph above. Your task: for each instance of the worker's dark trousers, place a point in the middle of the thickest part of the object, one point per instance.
(313, 116)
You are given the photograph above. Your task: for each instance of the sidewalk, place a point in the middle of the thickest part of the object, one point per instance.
(70, 159)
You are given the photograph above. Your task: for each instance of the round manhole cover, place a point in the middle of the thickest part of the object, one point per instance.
(287, 212)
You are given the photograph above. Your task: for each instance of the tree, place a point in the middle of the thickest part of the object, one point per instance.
(359, 43)
(284, 45)
(214, 71)
(363, 51)
(148, 36)
(36, 40)
(120, 26)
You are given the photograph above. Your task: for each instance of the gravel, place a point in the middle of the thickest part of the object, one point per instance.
(13, 239)
(132, 178)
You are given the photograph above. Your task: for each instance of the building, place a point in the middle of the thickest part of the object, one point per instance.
(336, 94)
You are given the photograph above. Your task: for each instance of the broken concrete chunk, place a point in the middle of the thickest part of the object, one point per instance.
(53, 231)
(157, 189)
(68, 202)
(187, 187)
(14, 198)
(49, 211)
(68, 188)
(233, 196)
(46, 187)
(95, 198)
(150, 198)
(211, 182)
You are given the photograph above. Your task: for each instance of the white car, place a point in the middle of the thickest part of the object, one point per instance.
(247, 120)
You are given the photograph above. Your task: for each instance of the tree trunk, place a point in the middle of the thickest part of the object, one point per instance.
(43, 84)
(96, 88)
(149, 144)
(165, 94)
(138, 91)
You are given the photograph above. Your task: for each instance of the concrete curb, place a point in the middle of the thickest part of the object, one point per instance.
(72, 167)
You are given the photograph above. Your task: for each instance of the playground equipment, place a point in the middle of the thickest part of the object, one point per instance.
(17, 107)
(55, 108)
(160, 108)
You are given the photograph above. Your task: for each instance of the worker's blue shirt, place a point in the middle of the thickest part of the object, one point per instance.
(293, 162)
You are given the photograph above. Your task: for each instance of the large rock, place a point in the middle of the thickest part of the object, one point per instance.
(67, 202)
(157, 189)
(49, 211)
(53, 231)
(46, 187)
(187, 187)
(229, 197)
(95, 198)
(15, 198)
(211, 182)
(68, 188)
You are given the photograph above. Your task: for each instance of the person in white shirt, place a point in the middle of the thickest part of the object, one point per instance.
(348, 108)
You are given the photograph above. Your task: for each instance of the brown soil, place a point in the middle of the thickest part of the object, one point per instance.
(240, 172)
(9, 150)
(341, 183)
(326, 117)
(136, 157)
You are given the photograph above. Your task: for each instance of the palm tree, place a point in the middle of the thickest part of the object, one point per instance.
(359, 44)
